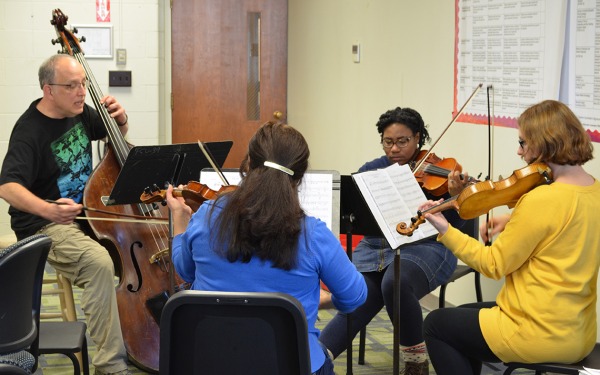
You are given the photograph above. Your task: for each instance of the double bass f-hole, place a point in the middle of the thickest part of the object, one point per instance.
(136, 266)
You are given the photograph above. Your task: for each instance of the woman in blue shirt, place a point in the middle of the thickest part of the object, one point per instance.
(257, 238)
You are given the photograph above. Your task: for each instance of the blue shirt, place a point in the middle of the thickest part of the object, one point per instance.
(320, 257)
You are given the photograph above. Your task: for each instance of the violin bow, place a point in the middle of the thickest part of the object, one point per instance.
(448, 126)
(210, 159)
(490, 214)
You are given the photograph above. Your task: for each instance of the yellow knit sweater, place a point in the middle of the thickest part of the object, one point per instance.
(549, 254)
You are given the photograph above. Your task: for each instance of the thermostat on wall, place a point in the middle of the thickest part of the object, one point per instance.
(356, 52)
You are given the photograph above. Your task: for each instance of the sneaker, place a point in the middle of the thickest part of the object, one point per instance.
(415, 368)
(124, 372)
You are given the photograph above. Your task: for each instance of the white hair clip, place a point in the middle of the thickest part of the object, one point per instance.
(270, 164)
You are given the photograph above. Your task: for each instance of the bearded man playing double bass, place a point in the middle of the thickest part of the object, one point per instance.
(47, 165)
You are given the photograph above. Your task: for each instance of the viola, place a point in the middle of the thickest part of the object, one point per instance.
(477, 199)
(194, 193)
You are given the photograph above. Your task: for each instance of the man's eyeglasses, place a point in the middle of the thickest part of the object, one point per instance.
(400, 142)
(522, 143)
(72, 86)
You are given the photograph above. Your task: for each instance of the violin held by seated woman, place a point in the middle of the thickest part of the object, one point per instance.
(431, 172)
(194, 193)
(477, 199)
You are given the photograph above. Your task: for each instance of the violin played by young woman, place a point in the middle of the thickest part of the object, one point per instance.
(194, 193)
(477, 199)
(432, 173)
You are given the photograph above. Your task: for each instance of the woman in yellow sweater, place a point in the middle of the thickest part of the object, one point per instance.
(549, 252)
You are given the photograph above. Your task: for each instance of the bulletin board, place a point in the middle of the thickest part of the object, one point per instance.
(98, 40)
(527, 51)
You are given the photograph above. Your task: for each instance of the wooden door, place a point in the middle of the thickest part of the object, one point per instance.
(229, 68)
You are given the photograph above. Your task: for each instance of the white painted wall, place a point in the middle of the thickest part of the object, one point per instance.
(138, 26)
(407, 52)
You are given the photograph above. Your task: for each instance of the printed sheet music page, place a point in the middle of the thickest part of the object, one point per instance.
(393, 196)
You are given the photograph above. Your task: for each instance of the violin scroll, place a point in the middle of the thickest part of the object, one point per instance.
(407, 230)
(153, 194)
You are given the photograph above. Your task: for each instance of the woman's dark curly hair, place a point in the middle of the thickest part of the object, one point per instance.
(407, 117)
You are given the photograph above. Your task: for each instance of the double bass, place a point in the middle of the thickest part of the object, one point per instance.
(140, 252)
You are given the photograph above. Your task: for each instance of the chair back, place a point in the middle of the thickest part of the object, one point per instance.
(233, 333)
(471, 227)
(21, 275)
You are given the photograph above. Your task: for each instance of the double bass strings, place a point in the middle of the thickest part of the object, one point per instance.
(159, 234)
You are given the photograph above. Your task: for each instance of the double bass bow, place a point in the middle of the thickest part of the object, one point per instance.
(141, 252)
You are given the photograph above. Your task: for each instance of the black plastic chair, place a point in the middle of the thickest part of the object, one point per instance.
(66, 338)
(591, 361)
(21, 275)
(233, 333)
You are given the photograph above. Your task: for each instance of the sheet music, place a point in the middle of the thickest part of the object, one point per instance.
(315, 196)
(314, 193)
(393, 195)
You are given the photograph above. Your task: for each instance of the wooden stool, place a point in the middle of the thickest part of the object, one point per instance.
(63, 289)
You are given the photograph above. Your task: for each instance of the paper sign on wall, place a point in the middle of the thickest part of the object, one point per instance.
(102, 10)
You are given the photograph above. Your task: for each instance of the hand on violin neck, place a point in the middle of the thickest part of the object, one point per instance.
(180, 211)
(458, 181)
(436, 218)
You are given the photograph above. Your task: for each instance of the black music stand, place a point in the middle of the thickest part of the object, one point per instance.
(357, 218)
(149, 165)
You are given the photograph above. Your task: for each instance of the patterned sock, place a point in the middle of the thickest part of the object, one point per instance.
(416, 353)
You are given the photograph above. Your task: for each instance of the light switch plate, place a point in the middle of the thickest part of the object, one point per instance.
(121, 56)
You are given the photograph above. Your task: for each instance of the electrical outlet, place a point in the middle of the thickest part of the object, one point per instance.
(119, 78)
